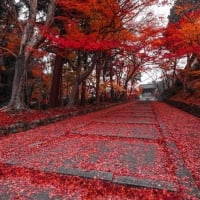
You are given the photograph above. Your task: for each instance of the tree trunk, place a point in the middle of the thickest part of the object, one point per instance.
(79, 78)
(74, 94)
(55, 93)
(17, 101)
(111, 84)
(29, 41)
(74, 97)
(124, 95)
(83, 93)
(98, 73)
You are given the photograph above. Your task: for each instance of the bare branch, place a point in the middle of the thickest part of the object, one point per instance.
(11, 52)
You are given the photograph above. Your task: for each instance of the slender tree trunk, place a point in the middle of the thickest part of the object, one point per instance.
(131, 90)
(104, 96)
(98, 73)
(1, 65)
(17, 101)
(79, 78)
(74, 94)
(55, 93)
(83, 93)
(124, 96)
(74, 97)
(83, 89)
(111, 84)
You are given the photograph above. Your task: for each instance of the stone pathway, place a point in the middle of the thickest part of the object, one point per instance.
(127, 145)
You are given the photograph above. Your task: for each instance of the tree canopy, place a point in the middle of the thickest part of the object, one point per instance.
(71, 50)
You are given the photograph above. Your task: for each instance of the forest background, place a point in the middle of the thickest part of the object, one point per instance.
(64, 53)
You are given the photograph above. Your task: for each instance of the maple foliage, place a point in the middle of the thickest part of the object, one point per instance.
(86, 29)
(105, 23)
(99, 28)
(95, 39)
(89, 30)
(183, 37)
(176, 49)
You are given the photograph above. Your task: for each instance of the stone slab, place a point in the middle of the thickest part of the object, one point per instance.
(134, 117)
(44, 195)
(120, 130)
(35, 144)
(144, 115)
(106, 176)
(132, 112)
(157, 184)
(124, 157)
(126, 121)
(4, 196)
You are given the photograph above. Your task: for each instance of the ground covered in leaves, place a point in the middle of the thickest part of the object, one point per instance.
(131, 151)
(184, 129)
(186, 97)
(8, 118)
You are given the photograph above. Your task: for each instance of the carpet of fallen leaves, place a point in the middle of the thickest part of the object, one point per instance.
(23, 178)
(87, 153)
(25, 184)
(185, 97)
(8, 118)
(184, 129)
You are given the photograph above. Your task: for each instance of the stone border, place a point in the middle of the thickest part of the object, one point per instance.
(105, 176)
(190, 108)
(122, 180)
(145, 183)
